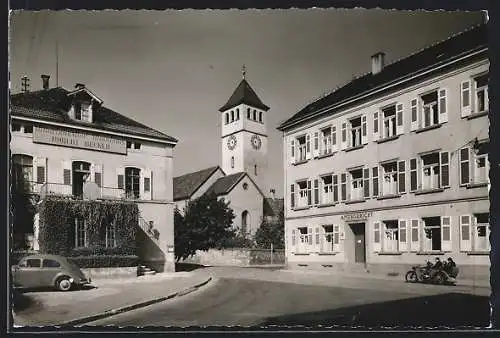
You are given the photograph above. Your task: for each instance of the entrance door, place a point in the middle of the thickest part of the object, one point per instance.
(359, 242)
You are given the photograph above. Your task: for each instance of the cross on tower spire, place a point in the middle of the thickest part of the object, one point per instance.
(244, 71)
(25, 84)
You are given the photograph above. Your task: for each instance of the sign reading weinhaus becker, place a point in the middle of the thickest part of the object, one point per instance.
(78, 139)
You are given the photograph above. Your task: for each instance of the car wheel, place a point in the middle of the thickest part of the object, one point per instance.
(64, 284)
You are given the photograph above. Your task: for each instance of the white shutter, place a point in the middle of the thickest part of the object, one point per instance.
(334, 139)
(377, 237)
(364, 130)
(292, 151)
(66, 174)
(308, 146)
(465, 233)
(376, 125)
(317, 238)
(414, 114)
(399, 119)
(310, 238)
(316, 144)
(97, 176)
(403, 235)
(442, 105)
(120, 180)
(446, 233)
(146, 184)
(343, 144)
(465, 165)
(414, 235)
(465, 98)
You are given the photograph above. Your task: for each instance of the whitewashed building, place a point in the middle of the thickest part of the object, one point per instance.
(391, 169)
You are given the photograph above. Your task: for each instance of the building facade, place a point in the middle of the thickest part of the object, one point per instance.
(391, 169)
(64, 142)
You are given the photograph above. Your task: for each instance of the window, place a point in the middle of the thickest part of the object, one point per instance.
(81, 172)
(22, 172)
(327, 190)
(85, 106)
(432, 234)
(474, 164)
(110, 235)
(129, 144)
(302, 198)
(303, 240)
(430, 171)
(481, 233)
(356, 184)
(292, 196)
(355, 132)
(80, 233)
(330, 239)
(244, 222)
(32, 263)
(237, 113)
(28, 129)
(375, 181)
(16, 126)
(132, 178)
(389, 122)
(302, 148)
(232, 115)
(391, 236)
(413, 174)
(232, 161)
(343, 187)
(227, 118)
(248, 113)
(430, 113)
(326, 141)
(50, 263)
(137, 145)
(389, 178)
(254, 115)
(260, 117)
(481, 95)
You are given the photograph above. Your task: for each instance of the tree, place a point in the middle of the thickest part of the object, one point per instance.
(206, 224)
(271, 232)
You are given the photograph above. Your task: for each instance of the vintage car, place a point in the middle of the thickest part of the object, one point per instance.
(42, 270)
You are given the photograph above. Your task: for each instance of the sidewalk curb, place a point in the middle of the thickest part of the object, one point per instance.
(127, 308)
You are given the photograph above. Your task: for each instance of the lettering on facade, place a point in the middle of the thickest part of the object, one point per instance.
(356, 216)
(77, 139)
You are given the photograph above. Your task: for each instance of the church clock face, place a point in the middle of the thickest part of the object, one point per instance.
(231, 142)
(256, 142)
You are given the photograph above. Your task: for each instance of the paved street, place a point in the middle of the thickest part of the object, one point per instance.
(255, 297)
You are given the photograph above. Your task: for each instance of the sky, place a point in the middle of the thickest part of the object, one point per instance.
(172, 70)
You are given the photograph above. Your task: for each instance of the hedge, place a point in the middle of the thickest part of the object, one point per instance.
(57, 229)
(107, 261)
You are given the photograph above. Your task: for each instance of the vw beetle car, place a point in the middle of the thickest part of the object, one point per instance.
(43, 270)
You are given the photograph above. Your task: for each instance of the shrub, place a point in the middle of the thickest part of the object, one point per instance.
(105, 261)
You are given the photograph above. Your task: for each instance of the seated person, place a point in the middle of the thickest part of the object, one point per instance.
(438, 266)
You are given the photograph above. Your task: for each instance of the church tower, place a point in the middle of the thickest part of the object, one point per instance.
(244, 134)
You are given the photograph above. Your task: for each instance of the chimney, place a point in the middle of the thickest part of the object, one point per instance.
(79, 85)
(45, 81)
(377, 62)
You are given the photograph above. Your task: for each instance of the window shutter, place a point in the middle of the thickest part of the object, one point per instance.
(364, 132)
(442, 105)
(413, 174)
(67, 172)
(446, 233)
(309, 193)
(419, 173)
(414, 114)
(98, 175)
(444, 175)
(293, 237)
(464, 166)
(308, 146)
(334, 138)
(399, 119)
(292, 151)
(375, 181)
(401, 177)
(465, 98)
(316, 192)
(403, 235)
(366, 182)
(343, 144)
(292, 196)
(120, 173)
(376, 125)
(146, 180)
(465, 233)
(414, 235)
(310, 235)
(343, 187)
(40, 172)
(376, 237)
(335, 188)
(316, 144)
(317, 237)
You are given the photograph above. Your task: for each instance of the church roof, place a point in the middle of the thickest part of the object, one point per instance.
(421, 64)
(244, 94)
(273, 206)
(225, 184)
(52, 105)
(186, 185)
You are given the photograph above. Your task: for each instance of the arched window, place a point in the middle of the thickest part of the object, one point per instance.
(132, 179)
(22, 172)
(81, 172)
(237, 113)
(232, 161)
(260, 117)
(227, 118)
(232, 115)
(248, 113)
(254, 115)
(244, 222)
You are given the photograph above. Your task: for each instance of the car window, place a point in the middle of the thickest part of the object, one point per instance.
(33, 263)
(50, 263)
(22, 264)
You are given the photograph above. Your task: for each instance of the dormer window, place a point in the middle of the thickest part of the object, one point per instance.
(83, 111)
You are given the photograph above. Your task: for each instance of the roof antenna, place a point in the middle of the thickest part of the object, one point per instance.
(244, 71)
